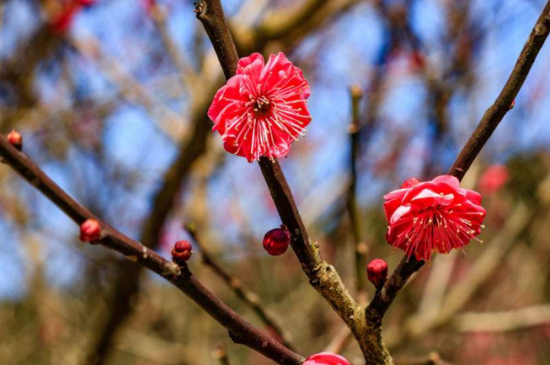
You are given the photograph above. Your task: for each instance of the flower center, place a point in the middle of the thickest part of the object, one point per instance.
(261, 106)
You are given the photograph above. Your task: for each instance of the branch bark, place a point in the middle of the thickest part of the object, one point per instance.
(240, 330)
(490, 121)
(360, 248)
(248, 297)
(322, 276)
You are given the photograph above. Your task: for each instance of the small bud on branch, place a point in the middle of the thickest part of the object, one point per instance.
(276, 241)
(181, 252)
(90, 231)
(377, 272)
(15, 139)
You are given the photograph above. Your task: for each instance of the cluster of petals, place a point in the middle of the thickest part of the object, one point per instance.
(263, 108)
(326, 358)
(432, 216)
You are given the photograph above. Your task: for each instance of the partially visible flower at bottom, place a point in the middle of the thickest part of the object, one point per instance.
(432, 216)
(326, 358)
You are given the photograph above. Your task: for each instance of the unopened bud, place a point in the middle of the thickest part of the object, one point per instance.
(512, 105)
(90, 231)
(377, 272)
(181, 252)
(276, 241)
(15, 139)
(407, 184)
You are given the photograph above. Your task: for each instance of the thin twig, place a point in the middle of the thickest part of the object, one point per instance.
(185, 70)
(383, 299)
(249, 298)
(494, 115)
(240, 330)
(536, 315)
(168, 121)
(360, 247)
(317, 270)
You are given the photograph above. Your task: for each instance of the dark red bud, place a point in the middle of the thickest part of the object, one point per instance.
(181, 252)
(15, 139)
(377, 272)
(407, 184)
(90, 231)
(276, 241)
(512, 105)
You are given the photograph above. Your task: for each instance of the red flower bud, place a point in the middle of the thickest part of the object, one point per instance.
(15, 139)
(276, 241)
(90, 231)
(410, 183)
(377, 272)
(181, 252)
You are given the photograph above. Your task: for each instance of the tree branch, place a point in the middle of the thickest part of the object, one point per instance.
(496, 112)
(240, 330)
(210, 13)
(248, 297)
(360, 248)
(322, 276)
(494, 115)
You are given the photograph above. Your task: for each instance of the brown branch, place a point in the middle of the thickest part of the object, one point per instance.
(240, 330)
(383, 299)
(127, 277)
(248, 297)
(127, 280)
(494, 115)
(322, 276)
(360, 247)
(210, 13)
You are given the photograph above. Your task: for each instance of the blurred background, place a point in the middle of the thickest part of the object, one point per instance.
(111, 98)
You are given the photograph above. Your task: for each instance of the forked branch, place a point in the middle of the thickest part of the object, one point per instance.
(240, 330)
